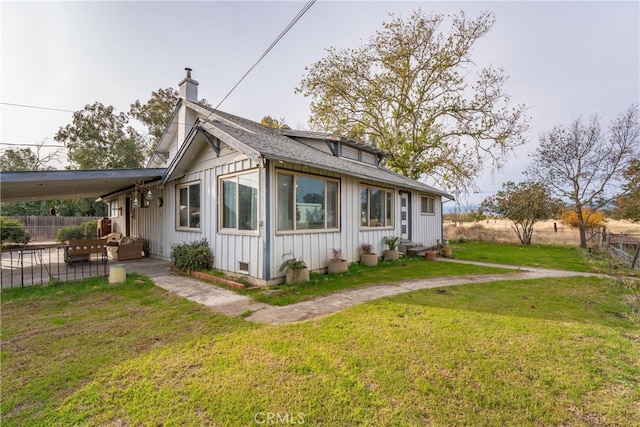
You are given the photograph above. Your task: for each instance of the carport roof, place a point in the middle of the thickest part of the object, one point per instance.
(71, 184)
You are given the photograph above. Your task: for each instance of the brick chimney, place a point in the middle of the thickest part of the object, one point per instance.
(189, 87)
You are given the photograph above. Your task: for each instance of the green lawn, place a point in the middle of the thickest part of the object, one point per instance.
(548, 256)
(360, 275)
(543, 352)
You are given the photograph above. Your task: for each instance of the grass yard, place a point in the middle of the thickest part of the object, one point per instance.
(547, 256)
(543, 352)
(360, 275)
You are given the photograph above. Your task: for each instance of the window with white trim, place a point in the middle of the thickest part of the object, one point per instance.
(427, 205)
(188, 206)
(114, 208)
(306, 202)
(239, 207)
(376, 207)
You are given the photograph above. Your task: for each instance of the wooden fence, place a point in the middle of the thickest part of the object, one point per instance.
(45, 227)
(624, 247)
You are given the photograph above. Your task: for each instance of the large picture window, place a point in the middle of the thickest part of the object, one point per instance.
(240, 202)
(189, 206)
(307, 202)
(376, 207)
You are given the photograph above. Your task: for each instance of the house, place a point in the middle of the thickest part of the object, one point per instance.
(260, 195)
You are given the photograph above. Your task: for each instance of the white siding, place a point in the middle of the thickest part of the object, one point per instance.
(158, 224)
(426, 229)
(314, 247)
(228, 249)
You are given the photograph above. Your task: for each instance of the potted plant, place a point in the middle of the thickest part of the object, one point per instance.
(431, 253)
(295, 270)
(392, 242)
(337, 262)
(367, 256)
(447, 252)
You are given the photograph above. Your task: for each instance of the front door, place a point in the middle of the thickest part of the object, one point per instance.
(405, 216)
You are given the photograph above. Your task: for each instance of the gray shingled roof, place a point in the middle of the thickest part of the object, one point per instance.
(275, 144)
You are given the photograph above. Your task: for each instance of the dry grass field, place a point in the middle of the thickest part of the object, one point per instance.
(499, 230)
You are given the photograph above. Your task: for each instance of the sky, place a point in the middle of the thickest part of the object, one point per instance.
(565, 59)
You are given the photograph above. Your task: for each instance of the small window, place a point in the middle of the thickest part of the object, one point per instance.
(376, 207)
(188, 215)
(239, 210)
(427, 205)
(114, 208)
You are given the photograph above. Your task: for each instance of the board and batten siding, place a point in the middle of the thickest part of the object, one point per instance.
(314, 247)
(229, 250)
(426, 228)
(149, 223)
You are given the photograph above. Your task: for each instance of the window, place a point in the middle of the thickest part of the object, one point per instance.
(114, 208)
(240, 202)
(427, 205)
(189, 206)
(306, 203)
(376, 207)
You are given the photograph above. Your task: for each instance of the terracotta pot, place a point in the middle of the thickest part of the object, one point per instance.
(391, 255)
(337, 266)
(430, 255)
(370, 260)
(447, 252)
(301, 275)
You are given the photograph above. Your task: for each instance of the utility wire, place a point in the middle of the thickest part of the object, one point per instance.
(31, 144)
(302, 11)
(36, 107)
(306, 7)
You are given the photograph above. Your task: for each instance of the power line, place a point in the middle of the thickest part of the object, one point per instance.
(31, 144)
(306, 7)
(36, 107)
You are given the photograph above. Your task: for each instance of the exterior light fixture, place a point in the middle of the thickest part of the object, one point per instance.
(149, 195)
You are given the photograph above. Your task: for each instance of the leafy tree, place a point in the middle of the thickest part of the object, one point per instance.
(628, 204)
(411, 90)
(274, 123)
(156, 112)
(26, 159)
(98, 138)
(584, 165)
(524, 204)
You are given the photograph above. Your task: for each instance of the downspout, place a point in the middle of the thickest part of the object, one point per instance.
(442, 219)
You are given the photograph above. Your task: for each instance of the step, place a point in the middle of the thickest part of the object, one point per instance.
(417, 250)
(405, 245)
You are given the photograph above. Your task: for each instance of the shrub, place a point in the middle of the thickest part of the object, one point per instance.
(12, 231)
(86, 230)
(194, 256)
(590, 218)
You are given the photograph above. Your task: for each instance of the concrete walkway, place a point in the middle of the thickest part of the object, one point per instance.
(232, 304)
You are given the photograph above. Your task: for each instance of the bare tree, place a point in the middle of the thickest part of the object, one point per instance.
(584, 165)
(25, 159)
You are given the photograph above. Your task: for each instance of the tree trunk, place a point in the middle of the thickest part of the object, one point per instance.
(581, 228)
